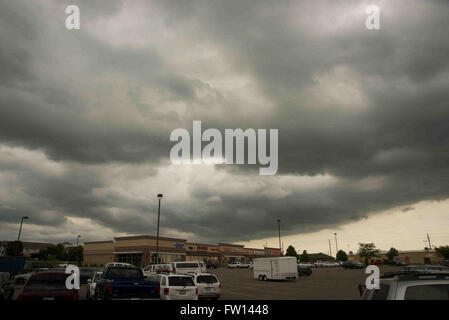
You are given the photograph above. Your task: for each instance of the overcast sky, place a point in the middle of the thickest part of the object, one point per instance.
(86, 116)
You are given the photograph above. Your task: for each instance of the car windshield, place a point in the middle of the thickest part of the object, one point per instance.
(46, 282)
(186, 265)
(124, 273)
(427, 292)
(180, 281)
(206, 279)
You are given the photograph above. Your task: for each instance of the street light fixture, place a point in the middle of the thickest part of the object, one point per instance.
(77, 239)
(20, 230)
(159, 197)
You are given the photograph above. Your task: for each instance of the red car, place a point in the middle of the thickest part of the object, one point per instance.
(48, 286)
(376, 262)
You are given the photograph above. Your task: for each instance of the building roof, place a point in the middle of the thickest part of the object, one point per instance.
(148, 237)
(231, 245)
(319, 255)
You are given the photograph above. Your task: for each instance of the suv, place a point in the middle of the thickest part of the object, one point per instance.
(422, 285)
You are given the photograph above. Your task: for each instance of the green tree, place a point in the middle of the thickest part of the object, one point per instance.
(392, 253)
(14, 248)
(342, 256)
(368, 251)
(304, 257)
(75, 254)
(443, 251)
(291, 252)
(57, 252)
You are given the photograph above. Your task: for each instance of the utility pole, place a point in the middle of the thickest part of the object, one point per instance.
(279, 231)
(330, 249)
(428, 239)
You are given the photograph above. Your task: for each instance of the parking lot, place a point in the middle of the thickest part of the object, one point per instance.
(324, 283)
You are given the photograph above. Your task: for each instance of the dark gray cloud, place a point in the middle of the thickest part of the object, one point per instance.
(367, 109)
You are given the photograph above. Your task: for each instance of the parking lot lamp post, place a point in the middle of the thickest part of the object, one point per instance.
(78, 239)
(20, 230)
(279, 232)
(159, 197)
(336, 244)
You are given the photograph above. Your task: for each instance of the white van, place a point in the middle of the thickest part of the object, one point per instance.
(153, 269)
(276, 268)
(186, 267)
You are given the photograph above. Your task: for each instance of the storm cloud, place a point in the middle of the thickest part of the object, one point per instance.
(86, 115)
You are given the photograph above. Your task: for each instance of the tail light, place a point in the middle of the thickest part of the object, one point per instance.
(75, 296)
(20, 297)
(158, 289)
(219, 285)
(166, 291)
(110, 289)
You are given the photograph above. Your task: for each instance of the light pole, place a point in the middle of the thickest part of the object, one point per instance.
(336, 244)
(159, 197)
(77, 239)
(20, 230)
(279, 232)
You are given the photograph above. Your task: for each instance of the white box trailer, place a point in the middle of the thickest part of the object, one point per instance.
(276, 268)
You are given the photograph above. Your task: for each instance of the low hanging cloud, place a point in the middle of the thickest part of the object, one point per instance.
(86, 115)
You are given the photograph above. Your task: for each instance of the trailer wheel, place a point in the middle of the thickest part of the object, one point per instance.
(260, 277)
(264, 278)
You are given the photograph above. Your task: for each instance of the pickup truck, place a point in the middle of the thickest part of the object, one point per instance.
(125, 283)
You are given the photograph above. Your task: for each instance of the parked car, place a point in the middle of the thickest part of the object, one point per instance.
(21, 279)
(233, 265)
(211, 265)
(203, 266)
(304, 270)
(424, 267)
(86, 274)
(92, 284)
(125, 283)
(48, 285)
(376, 262)
(153, 269)
(186, 267)
(6, 286)
(352, 265)
(244, 265)
(445, 263)
(177, 287)
(208, 285)
(409, 286)
(118, 264)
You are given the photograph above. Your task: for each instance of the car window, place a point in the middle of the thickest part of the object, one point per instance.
(427, 292)
(186, 265)
(180, 281)
(46, 282)
(206, 279)
(124, 273)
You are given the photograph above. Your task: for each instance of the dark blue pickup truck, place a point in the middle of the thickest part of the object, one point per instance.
(125, 283)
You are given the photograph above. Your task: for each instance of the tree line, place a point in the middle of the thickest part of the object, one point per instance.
(367, 251)
(51, 253)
